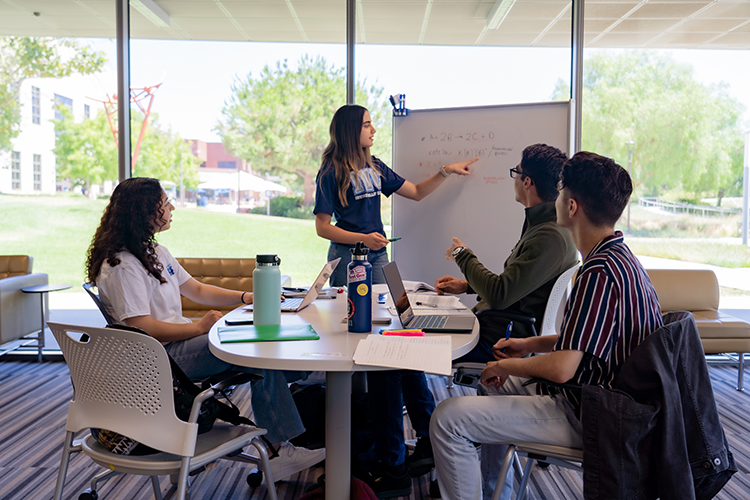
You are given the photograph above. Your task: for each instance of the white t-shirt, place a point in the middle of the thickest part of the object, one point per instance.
(128, 290)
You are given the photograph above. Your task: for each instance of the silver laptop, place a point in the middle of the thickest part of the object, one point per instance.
(297, 304)
(430, 323)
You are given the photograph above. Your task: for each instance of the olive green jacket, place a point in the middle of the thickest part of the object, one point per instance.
(544, 251)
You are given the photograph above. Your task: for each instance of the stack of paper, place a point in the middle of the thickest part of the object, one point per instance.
(430, 354)
(417, 286)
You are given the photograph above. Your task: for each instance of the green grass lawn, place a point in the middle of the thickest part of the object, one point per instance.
(57, 230)
(705, 251)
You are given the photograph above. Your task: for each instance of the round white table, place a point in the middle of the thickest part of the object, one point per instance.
(332, 354)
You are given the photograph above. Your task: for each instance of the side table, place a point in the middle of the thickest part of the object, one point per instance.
(42, 290)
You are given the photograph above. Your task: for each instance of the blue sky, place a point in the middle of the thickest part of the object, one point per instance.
(198, 75)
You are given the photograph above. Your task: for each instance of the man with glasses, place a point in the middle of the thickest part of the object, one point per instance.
(612, 309)
(544, 252)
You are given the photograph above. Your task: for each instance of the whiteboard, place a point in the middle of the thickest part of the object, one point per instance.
(479, 209)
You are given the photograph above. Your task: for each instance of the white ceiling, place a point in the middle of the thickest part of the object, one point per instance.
(700, 24)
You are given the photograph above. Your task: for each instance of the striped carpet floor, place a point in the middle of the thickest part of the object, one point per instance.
(33, 408)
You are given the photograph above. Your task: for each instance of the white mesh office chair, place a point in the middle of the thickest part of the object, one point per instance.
(468, 374)
(570, 458)
(122, 382)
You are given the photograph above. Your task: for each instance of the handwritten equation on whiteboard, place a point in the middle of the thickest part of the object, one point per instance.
(464, 145)
(428, 170)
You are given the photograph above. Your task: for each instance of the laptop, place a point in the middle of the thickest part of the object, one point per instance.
(430, 323)
(297, 304)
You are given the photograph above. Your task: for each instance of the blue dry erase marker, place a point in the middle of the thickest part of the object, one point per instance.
(507, 333)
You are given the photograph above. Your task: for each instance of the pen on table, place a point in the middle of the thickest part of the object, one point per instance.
(507, 333)
(426, 304)
(393, 239)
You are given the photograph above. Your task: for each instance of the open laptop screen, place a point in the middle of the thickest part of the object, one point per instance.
(398, 293)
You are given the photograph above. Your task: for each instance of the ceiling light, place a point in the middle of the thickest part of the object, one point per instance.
(498, 13)
(152, 12)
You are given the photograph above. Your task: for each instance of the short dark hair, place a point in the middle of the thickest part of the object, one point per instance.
(543, 164)
(599, 185)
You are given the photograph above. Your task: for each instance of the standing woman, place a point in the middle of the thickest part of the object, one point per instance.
(350, 182)
(349, 185)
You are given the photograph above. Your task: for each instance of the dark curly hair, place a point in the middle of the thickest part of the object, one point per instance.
(543, 164)
(127, 224)
(599, 185)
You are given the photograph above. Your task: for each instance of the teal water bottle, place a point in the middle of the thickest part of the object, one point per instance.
(359, 286)
(267, 290)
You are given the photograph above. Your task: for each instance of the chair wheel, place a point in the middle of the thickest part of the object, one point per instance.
(434, 489)
(254, 479)
(542, 464)
(88, 495)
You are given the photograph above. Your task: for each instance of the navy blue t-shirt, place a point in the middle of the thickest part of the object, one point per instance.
(362, 215)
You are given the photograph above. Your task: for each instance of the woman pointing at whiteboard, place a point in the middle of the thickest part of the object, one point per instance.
(349, 184)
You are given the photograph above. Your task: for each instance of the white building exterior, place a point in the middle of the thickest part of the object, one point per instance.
(29, 168)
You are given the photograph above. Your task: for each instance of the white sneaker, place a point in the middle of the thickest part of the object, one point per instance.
(292, 459)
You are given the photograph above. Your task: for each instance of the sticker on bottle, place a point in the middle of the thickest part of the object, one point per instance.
(362, 289)
(357, 273)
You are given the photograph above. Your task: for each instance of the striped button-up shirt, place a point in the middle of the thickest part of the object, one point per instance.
(613, 307)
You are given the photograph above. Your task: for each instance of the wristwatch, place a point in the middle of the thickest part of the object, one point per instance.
(456, 251)
(444, 172)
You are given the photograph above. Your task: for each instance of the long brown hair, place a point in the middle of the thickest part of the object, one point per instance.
(127, 224)
(345, 152)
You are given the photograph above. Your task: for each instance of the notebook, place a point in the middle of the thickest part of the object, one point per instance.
(437, 323)
(297, 304)
(266, 333)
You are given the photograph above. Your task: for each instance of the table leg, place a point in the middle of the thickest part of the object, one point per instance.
(40, 337)
(338, 435)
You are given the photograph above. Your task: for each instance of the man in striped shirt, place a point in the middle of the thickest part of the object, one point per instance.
(612, 309)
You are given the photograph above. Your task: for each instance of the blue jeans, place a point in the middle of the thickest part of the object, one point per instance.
(388, 392)
(377, 259)
(512, 413)
(273, 405)
(481, 353)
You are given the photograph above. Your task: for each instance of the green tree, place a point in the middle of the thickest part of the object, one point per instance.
(24, 57)
(279, 121)
(688, 136)
(163, 153)
(87, 154)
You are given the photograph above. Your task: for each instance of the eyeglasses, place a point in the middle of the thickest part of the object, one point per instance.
(514, 172)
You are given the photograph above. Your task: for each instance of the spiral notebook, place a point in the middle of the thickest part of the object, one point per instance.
(266, 333)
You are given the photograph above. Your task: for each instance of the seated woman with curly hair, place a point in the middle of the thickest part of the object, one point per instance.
(140, 284)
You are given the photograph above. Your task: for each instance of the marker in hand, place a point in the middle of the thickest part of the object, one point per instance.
(393, 239)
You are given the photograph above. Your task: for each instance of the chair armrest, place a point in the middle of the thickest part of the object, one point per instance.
(502, 313)
(16, 283)
(238, 378)
(513, 316)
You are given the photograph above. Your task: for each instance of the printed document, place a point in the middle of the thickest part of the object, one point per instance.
(431, 354)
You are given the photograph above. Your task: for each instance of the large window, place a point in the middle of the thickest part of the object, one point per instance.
(36, 106)
(62, 100)
(37, 172)
(16, 171)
